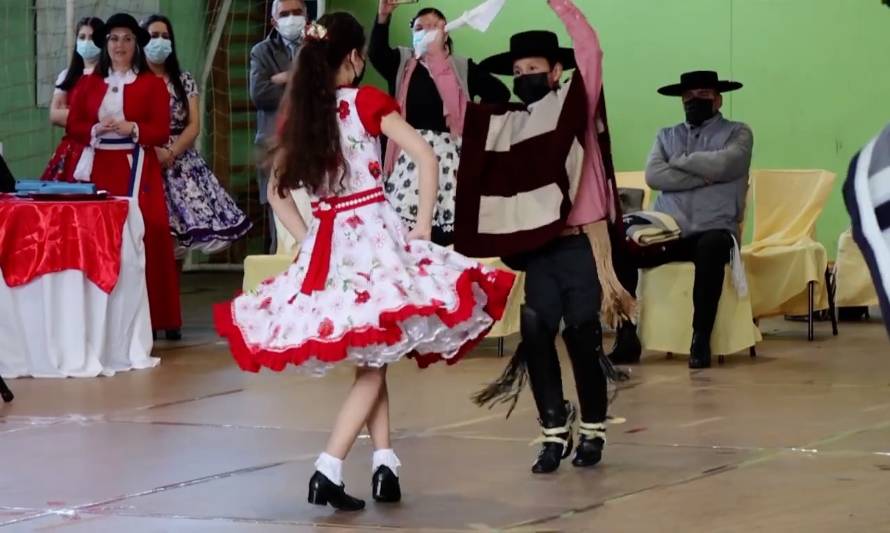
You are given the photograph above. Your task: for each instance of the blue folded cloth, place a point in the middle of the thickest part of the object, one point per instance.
(53, 187)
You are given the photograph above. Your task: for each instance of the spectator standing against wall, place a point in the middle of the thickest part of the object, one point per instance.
(270, 61)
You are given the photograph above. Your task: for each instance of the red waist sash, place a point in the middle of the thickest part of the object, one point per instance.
(326, 210)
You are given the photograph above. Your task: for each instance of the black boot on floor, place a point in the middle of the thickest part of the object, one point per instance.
(174, 334)
(627, 349)
(591, 440)
(700, 353)
(556, 437)
(322, 491)
(385, 485)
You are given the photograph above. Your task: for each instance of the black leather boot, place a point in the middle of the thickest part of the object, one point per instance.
(173, 334)
(556, 437)
(385, 485)
(627, 349)
(323, 491)
(700, 353)
(591, 440)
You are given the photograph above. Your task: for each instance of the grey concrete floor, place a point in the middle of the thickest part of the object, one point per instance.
(796, 440)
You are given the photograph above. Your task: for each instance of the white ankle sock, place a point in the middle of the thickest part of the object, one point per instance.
(331, 467)
(387, 458)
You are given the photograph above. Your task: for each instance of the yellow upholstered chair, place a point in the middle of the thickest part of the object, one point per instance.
(258, 268)
(664, 295)
(787, 268)
(853, 280)
(665, 324)
(635, 180)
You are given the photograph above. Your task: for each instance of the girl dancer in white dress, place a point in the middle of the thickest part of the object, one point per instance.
(362, 290)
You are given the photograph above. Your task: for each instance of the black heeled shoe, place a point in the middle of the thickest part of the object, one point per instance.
(700, 353)
(5, 393)
(556, 437)
(627, 349)
(173, 334)
(591, 440)
(385, 486)
(322, 491)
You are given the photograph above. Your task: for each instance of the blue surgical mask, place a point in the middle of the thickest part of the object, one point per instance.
(158, 50)
(417, 42)
(88, 49)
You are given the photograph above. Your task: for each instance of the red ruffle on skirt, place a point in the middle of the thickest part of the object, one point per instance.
(497, 289)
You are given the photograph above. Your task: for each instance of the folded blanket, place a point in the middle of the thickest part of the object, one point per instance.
(646, 228)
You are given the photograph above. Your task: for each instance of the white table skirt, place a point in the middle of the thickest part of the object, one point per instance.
(62, 325)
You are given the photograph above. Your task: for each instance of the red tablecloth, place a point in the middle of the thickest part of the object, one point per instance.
(38, 238)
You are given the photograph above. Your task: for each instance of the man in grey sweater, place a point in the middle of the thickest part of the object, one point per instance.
(270, 62)
(700, 167)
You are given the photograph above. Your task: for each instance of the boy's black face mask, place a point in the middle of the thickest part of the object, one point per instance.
(532, 87)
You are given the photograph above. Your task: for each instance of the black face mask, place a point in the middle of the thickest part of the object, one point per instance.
(532, 87)
(358, 77)
(698, 110)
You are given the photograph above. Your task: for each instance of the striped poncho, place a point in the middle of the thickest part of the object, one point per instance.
(867, 195)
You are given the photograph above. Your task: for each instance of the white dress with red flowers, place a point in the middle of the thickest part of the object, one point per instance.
(358, 291)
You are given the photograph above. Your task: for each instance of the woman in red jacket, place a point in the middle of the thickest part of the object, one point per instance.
(121, 112)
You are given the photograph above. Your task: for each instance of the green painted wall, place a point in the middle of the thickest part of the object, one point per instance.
(816, 72)
(25, 132)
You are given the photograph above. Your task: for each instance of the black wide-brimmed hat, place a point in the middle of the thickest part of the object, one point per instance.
(699, 79)
(530, 44)
(121, 20)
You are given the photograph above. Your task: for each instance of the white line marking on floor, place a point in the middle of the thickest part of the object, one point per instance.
(701, 422)
(879, 407)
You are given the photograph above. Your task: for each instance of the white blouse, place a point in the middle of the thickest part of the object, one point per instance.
(112, 108)
(113, 104)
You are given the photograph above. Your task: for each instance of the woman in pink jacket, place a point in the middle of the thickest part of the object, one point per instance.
(413, 81)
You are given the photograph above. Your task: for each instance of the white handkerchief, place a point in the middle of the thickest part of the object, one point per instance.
(478, 18)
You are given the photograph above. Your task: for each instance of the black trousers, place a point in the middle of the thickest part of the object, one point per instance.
(562, 285)
(709, 251)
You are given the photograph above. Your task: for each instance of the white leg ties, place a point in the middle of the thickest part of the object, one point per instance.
(593, 431)
(552, 435)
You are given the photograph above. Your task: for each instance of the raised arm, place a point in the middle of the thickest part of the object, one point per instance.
(661, 176)
(719, 166)
(384, 58)
(588, 53)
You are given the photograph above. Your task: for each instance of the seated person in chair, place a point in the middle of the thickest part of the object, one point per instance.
(700, 167)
